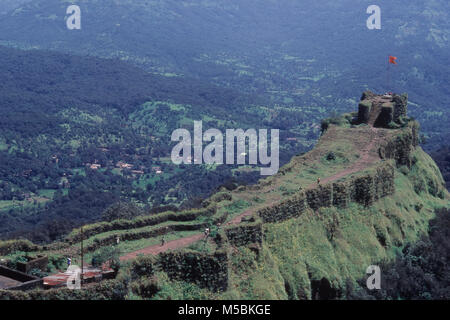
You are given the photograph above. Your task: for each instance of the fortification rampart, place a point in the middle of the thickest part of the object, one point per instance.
(401, 145)
(382, 110)
(364, 188)
(206, 270)
(158, 231)
(245, 233)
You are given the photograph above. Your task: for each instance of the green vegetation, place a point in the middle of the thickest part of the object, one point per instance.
(62, 166)
(320, 254)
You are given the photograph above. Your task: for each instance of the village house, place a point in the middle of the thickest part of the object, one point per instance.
(95, 166)
(124, 165)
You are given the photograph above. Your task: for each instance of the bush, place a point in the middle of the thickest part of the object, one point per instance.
(143, 266)
(7, 247)
(121, 210)
(107, 254)
(331, 156)
(145, 287)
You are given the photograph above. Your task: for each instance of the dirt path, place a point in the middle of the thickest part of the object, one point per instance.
(365, 160)
(183, 242)
(155, 249)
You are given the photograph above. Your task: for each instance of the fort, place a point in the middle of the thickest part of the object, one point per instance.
(372, 149)
(384, 111)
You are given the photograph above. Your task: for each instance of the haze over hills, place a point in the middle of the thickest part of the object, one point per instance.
(68, 122)
(301, 54)
(7, 5)
(85, 145)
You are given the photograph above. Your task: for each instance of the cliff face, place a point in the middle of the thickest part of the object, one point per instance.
(308, 240)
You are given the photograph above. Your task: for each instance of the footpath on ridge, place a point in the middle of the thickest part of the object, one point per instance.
(365, 160)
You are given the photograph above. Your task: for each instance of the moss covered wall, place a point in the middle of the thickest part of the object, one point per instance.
(365, 188)
(401, 145)
(206, 270)
(245, 234)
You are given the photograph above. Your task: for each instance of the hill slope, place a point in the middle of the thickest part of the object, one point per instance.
(62, 113)
(296, 53)
(286, 237)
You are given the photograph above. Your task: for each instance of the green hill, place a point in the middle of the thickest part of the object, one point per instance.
(62, 113)
(287, 237)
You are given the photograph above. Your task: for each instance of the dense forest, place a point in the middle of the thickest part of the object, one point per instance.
(442, 159)
(78, 134)
(421, 271)
(74, 127)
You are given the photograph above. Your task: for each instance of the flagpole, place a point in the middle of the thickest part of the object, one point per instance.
(388, 78)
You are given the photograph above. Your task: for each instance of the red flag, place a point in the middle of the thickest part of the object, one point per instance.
(392, 60)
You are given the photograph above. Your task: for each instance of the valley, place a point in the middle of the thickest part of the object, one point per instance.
(224, 150)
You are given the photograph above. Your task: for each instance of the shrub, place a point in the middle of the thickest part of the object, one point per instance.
(145, 287)
(121, 210)
(107, 254)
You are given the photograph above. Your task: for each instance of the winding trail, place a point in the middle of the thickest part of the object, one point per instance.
(366, 159)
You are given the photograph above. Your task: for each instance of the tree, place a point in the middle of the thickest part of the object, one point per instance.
(121, 210)
(108, 255)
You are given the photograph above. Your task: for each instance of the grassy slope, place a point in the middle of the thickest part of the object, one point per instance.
(300, 250)
(296, 247)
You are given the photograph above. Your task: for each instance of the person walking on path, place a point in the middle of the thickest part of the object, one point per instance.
(163, 239)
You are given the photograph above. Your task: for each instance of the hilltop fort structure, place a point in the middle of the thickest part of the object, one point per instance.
(299, 239)
(385, 111)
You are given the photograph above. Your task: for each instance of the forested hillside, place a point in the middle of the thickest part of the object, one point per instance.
(78, 134)
(315, 55)
(442, 158)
